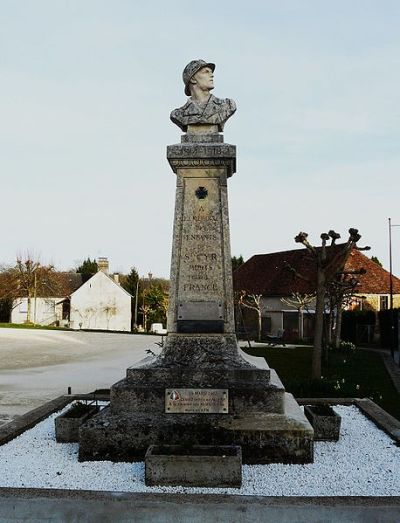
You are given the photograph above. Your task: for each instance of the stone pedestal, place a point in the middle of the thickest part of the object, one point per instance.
(201, 299)
(325, 422)
(198, 466)
(201, 390)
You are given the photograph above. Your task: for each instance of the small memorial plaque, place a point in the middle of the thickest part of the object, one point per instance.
(191, 401)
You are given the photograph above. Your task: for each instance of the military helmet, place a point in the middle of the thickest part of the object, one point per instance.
(191, 69)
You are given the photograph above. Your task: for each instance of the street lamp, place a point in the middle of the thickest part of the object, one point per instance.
(391, 288)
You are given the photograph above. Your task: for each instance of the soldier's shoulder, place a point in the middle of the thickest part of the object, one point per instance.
(223, 101)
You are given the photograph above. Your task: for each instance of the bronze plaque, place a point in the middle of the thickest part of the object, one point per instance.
(199, 401)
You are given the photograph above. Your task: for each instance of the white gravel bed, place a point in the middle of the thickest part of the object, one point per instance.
(365, 462)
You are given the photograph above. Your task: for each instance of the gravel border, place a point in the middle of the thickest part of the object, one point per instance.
(352, 466)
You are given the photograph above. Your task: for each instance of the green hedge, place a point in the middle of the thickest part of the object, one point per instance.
(355, 325)
(385, 326)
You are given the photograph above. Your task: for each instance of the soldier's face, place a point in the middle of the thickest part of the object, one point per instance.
(204, 79)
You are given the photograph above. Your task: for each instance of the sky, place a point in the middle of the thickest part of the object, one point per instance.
(87, 86)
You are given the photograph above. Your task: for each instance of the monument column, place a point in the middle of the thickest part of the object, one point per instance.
(200, 323)
(201, 296)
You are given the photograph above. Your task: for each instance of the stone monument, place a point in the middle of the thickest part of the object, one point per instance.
(202, 389)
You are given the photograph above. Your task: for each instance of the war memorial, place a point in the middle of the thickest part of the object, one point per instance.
(201, 398)
(202, 389)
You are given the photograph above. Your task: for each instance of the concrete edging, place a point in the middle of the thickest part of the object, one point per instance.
(25, 422)
(88, 506)
(374, 412)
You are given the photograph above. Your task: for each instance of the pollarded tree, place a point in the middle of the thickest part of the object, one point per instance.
(340, 294)
(330, 260)
(301, 303)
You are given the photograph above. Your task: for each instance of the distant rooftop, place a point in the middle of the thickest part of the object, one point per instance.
(269, 274)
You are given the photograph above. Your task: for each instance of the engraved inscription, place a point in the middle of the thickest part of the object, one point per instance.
(203, 401)
(201, 269)
(200, 163)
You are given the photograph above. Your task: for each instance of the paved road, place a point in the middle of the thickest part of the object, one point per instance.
(39, 365)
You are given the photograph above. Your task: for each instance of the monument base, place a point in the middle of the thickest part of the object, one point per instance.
(257, 413)
(264, 438)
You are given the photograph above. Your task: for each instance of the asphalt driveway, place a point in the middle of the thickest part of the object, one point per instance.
(39, 365)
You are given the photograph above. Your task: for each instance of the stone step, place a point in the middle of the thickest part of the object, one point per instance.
(206, 376)
(264, 438)
(129, 397)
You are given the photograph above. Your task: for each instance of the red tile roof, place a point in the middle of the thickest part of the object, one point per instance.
(268, 274)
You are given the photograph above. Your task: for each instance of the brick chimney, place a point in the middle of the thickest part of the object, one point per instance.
(102, 264)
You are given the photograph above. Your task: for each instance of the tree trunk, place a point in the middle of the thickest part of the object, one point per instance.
(338, 330)
(301, 325)
(330, 325)
(319, 325)
(259, 325)
(28, 309)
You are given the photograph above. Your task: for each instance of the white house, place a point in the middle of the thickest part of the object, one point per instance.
(44, 311)
(101, 303)
(49, 306)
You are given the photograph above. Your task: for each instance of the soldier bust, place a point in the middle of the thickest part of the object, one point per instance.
(202, 107)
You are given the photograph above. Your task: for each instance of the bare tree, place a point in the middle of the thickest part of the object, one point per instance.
(252, 301)
(300, 302)
(328, 263)
(28, 278)
(340, 292)
(145, 310)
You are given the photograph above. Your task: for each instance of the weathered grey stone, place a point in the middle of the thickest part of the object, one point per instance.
(202, 134)
(264, 438)
(202, 107)
(67, 425)
(250, 390)
(201, 155)
(201, 351)
(198, 466)
(325, 422)
(200, 267)
(214, 111)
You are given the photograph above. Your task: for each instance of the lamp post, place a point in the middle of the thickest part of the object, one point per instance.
(392, 344)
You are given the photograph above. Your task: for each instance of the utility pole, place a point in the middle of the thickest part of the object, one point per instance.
(392, 329)
(35, 297)
(136, 301)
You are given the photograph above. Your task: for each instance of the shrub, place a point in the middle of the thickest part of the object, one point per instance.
(345, 347)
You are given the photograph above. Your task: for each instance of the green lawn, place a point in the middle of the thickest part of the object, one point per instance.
(359, 374)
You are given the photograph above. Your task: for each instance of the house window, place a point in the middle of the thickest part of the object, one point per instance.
(383, 303)
(23, 306)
